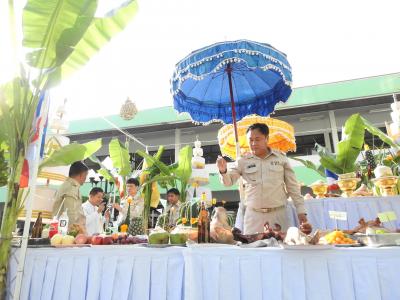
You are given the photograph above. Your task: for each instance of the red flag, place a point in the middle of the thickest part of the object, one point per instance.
(24, 179)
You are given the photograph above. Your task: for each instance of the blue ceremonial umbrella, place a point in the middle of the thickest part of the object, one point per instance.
(230, 80)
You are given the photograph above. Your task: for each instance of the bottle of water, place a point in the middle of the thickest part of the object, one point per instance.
(63, 223)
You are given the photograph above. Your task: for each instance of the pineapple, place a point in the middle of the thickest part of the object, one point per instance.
(136, 226)
(370, 160)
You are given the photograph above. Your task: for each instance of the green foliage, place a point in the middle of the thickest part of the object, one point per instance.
(119, 155)
(310, 165)
(184, 169)
(59, 36)
(70, 153)
(3, 169)
(348, 148)
(379, 133)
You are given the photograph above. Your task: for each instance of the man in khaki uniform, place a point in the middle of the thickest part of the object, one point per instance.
(268, 181)
(68, 195)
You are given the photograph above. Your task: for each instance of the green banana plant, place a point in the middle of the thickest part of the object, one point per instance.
(59, 37)
(349, 147)
(379, 133)
(174, 175)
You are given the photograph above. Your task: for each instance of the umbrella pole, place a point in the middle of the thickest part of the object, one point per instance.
(229, 71)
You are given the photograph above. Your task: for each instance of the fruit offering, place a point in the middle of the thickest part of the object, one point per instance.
(338, 237)
(159, 236)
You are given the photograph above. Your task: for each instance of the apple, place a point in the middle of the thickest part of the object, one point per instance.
(97, 240)
(107, 240)
(130, 240)
(81, 239)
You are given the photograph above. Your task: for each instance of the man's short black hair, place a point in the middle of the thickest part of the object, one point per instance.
(263, 128)
(133, 181)
(77, 168)
(174, 191)
(95, 190)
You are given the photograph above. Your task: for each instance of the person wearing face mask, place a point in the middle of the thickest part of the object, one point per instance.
(93, 209)
(68, 197)
(268, 181)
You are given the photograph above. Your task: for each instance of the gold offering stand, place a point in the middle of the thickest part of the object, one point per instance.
(387, 185)
(348, 186)
(319, 189)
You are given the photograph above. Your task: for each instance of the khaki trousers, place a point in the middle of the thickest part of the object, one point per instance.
(254, 221)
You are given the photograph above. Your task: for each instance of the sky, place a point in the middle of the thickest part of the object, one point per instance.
(325, 41)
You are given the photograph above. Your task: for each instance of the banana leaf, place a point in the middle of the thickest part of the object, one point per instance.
(327, 159)
(379, 133)
(99, 32)
(150, 160)
(159, 178)
(71, 153)
(349, 147)
(120, 157)
(103, 171)
(184, 169)
(52, 28)
(351, 143)
(310, 165)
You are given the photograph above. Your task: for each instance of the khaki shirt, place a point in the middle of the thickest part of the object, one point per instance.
(69, 193)
(267, 181)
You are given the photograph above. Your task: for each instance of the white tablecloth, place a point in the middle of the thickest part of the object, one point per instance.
(210, 273)
(108, 272)
(342, 274)
(356, 208)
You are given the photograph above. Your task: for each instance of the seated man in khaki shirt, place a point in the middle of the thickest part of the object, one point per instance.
(68, 195)
(268, 181)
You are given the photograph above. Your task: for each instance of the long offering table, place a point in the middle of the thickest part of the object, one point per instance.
(209, 272)
(356, 208)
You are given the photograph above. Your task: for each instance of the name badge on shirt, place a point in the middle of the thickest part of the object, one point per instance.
(275, 163)
(251, 168)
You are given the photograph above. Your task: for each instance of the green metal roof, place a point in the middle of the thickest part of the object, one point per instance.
(303, 96)
(159, 115)
(343, 90)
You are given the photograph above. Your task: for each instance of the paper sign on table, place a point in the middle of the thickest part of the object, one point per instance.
(338, 215)
(387, 216)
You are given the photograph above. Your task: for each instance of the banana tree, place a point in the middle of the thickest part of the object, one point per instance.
(349, 147)
(175, 175)
(59, 37)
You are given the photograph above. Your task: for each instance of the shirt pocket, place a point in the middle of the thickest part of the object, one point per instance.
(275, 174)
(251, 175)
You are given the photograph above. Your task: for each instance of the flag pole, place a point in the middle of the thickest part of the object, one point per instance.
(29, 202)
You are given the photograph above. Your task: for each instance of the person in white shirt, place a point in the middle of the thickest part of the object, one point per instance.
(173, 206)
(93, 209)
